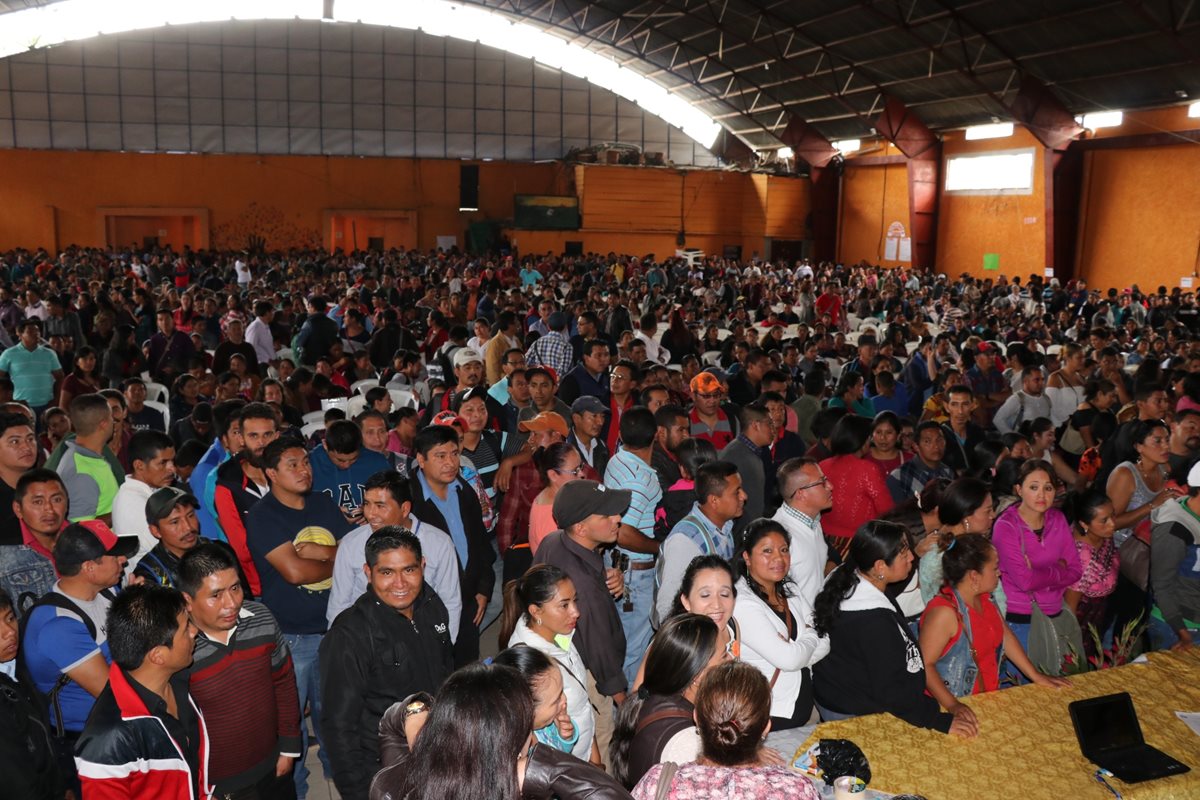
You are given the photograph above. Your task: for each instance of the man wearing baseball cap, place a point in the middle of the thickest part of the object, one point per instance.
(589, 514)
(524, 485)
(708, 420)
(65, 642)
(588, 415)
(171, 517)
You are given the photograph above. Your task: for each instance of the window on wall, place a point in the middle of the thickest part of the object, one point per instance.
(1008, 172)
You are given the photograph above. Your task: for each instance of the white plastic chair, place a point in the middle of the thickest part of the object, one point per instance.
(355, 406)
(314, 417)
(911, 347)
(156, 392)
(163, 409)
(334, 402)
(310, 428)
(361, 387)
(402, 398)
(712, 358)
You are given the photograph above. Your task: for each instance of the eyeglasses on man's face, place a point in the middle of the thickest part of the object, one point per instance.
(824, 481)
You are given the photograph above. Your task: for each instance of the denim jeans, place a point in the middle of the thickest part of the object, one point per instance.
(308, 682)
(1162, 636)
(1021, 631)
(636, 623)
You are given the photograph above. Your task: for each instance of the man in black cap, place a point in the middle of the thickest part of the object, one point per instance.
(588, 415)
(197, 425)
(171, 516)
(65, 641)
(589, 515)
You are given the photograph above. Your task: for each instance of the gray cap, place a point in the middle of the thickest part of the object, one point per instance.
(590, 403)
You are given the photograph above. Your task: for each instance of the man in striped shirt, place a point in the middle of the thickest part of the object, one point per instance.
(242, 679)
(631, 469)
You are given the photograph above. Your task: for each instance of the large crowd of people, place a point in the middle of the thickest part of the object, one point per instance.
(253, 504)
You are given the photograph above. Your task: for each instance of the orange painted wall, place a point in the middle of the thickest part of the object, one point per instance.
(176, 231)
(641, 211)
(872, 198)
(1013, 226)
(1141, 216)
(50, 197)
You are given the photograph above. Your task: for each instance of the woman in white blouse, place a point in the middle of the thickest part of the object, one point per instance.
(775, 624)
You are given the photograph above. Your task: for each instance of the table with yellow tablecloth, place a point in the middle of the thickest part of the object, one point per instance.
(1026, 748)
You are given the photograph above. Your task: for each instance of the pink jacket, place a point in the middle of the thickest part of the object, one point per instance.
(1037, 570)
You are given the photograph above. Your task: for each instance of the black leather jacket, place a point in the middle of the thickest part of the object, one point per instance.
(549, 774)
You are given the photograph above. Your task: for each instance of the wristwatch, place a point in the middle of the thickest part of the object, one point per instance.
(414, 708)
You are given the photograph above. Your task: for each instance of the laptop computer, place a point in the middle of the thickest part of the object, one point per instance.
(1110, 736)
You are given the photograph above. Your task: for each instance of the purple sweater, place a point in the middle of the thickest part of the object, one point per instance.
(1037, 571)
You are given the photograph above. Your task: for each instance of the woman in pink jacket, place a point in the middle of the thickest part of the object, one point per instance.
(1038, 559)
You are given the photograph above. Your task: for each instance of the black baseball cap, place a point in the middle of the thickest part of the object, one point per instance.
(577, 500)
(89, 540)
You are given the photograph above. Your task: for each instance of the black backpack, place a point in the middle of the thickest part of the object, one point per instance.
(50, 699)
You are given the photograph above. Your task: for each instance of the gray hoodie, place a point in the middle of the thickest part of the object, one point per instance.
(1175, 577)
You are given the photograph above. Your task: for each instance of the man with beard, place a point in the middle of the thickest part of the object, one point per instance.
(171, 515)
(241, 483)
(1185, 438)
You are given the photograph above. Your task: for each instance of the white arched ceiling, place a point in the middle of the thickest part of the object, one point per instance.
(151, 59)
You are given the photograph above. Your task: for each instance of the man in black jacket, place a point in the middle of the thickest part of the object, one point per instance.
(394, 641)
(27, 754)
(317, 334)
(442, 498)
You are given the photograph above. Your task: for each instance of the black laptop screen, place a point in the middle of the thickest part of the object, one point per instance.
(1107, 724)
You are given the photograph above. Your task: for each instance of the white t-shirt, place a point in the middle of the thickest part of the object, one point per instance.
(243, 272)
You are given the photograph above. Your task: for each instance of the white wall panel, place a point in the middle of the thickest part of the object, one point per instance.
(310, 88)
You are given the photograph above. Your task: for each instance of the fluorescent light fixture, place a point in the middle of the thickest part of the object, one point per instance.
(847, 145)
(784, 152)
(1100, 119)
(996, 130)
(464, 208)
(1194, 109)
(72, 20)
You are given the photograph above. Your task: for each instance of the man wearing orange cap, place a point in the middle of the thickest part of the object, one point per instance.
(707, 419)
(512, 528)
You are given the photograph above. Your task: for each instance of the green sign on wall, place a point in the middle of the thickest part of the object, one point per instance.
(991, 261)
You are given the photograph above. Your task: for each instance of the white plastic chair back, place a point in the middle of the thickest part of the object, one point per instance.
(314, 416)
(163, 409)
(156, 392)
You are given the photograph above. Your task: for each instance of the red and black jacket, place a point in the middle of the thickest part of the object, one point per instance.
(125, 751)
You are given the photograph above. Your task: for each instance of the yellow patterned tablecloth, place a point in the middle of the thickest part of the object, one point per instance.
(1026, 748)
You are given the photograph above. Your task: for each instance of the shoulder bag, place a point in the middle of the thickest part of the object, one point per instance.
(1050, 638)
(665, 779)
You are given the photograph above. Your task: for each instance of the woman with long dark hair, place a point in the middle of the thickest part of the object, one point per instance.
(732, 719)
(82, 379)
(860, 490)
(874, 664)
(1091, 514)
(557, 464)
(1137, 486)
(775, 623)
(1038, 559)
(656, 723)
(475, 742)
(540, 611)
(965, 507)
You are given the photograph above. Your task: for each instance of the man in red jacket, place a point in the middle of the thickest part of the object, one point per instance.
(145, 737)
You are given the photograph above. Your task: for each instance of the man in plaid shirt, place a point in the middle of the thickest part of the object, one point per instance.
(554, 349)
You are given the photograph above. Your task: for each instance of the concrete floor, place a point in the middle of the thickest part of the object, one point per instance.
(321, 789)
